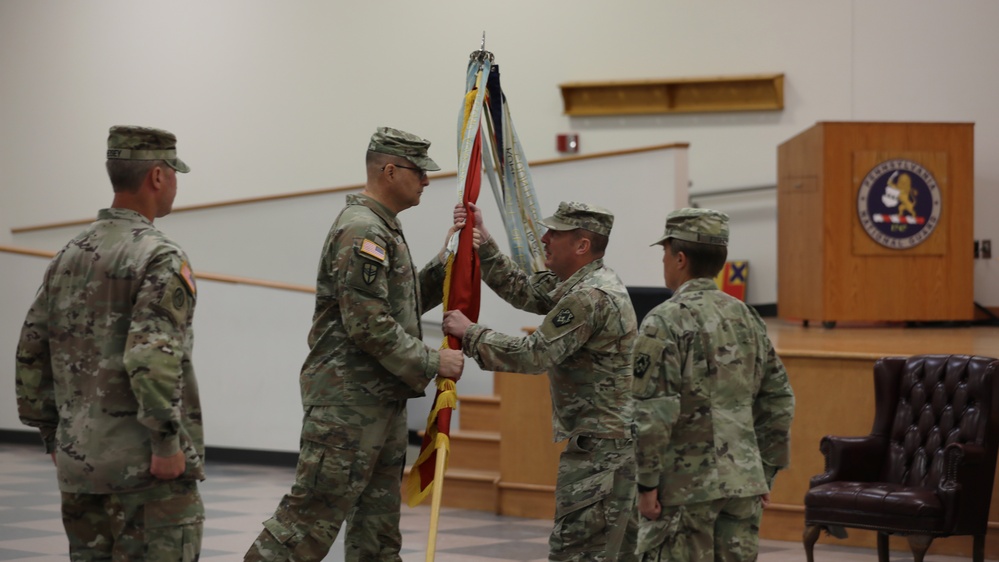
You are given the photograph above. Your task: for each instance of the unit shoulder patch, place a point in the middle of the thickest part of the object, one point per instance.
(642, 362)
(567, 317)
(369, 272)
(175, 302)
(563, 317)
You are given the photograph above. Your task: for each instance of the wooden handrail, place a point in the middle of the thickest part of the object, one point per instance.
(343, 188)
(201, 275)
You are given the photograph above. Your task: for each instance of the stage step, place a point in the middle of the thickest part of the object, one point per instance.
(479, 413)
(464, 489)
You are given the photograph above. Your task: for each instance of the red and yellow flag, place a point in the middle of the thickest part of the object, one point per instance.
(462, 291)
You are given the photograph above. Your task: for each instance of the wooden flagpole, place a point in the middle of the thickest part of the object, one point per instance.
(435, 504)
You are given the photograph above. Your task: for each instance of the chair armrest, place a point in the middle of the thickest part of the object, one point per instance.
(965, 470)
(854, 459)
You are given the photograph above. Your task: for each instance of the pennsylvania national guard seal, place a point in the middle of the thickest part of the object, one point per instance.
(899, 204)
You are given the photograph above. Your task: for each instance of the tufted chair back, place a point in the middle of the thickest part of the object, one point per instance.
(927, 467)
(940, 400)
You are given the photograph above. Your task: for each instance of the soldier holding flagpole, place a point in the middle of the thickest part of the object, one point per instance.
(367, 359)
(584, 343)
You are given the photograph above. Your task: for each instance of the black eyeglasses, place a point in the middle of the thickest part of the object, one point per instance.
(419, 171)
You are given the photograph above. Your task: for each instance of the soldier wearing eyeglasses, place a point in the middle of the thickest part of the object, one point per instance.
(367, 359)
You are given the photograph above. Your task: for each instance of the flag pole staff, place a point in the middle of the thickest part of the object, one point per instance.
(441, 460)
(435, 506)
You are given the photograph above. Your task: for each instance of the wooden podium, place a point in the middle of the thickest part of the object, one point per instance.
(874, 223)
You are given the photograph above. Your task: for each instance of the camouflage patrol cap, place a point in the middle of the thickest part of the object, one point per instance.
(572, 215)
(706, 226)
(400, 143)
(144, 143)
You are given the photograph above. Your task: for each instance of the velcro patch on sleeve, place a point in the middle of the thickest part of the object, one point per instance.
(365, 270)
(372, 249)
(563, 319)
(176, 302)
(188, 276)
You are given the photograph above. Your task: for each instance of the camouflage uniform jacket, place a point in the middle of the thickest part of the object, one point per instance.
(366, 339)
(713, 401)
(584, 342)
(104, 360)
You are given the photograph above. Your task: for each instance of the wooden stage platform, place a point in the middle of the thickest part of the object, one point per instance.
(504, 461)
(831, 371)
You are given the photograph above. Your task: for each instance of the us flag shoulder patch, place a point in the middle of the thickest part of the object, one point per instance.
(188, 276)
(373, 250)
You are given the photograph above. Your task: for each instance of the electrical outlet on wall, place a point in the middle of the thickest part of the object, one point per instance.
(986, 249)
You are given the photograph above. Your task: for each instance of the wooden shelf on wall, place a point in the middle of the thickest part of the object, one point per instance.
(760, 92)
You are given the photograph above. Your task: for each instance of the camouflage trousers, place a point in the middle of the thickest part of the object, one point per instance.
(349, 468)
(723, 530)
(163, 523)
(596, 517)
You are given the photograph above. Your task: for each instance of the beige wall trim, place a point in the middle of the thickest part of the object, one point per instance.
(344, 188)
(201, 275)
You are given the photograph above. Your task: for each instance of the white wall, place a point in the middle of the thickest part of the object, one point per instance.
(272, 97)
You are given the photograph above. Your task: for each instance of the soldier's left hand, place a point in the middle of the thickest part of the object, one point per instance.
(452, 362)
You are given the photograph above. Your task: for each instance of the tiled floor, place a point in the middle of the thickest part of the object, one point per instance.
(238, 497)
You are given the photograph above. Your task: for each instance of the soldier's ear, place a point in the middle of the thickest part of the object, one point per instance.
(156, 177)
(681, 259)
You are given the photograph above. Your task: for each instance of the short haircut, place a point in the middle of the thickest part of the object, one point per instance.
(127, 175)
(706, 260)
(598, 242)
(374, 161)
(373, 158)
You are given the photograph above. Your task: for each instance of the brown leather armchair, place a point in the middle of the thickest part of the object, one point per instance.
(926, 469)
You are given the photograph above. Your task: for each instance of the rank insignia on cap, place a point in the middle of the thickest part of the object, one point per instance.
(642, 362)
(563, 317)
(188, 276)
(373, 250)
(368, 272)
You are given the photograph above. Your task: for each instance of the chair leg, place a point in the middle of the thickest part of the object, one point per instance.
(919, 545)
(883, 547)
(809, 537)
(978, 550)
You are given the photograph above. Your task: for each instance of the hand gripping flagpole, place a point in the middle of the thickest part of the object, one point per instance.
(462, 279)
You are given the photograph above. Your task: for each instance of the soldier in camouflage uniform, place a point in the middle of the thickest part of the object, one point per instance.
(367, 358)
(714, 406)
(584, 343)
(104, 369)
